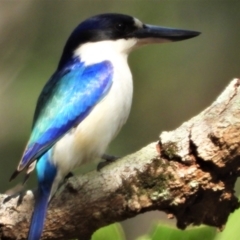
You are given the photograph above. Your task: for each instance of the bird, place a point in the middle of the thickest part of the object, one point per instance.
(85, 102)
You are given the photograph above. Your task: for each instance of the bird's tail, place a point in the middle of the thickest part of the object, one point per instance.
(46, 173)
(39, 214)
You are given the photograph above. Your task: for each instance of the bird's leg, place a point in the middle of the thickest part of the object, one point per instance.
(108, 159)
(18, 190)
(20, 194)
(70, 174)
(8, 198)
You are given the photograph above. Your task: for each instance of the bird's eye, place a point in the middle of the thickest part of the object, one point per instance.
(120, 27)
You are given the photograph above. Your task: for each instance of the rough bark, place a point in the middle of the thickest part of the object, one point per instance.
(189, 174)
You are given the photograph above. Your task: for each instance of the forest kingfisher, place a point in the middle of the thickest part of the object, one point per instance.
(85, 102)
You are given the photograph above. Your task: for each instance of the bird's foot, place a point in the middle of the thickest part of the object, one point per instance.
(70, 174)
(20, 194)
(108, 159)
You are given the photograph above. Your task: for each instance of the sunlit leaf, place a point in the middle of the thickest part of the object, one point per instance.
(111, 232)
(232, 229)
(145, 237)
(163, 232)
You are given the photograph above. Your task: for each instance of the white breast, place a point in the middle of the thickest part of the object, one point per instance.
(92, 136)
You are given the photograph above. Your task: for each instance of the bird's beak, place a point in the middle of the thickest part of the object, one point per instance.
(156, 34)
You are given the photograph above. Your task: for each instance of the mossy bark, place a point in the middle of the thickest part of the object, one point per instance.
(189, 173)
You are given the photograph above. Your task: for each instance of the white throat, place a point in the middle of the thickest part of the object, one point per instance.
(94, 52)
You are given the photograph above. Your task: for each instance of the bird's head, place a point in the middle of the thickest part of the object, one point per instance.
(121, 32)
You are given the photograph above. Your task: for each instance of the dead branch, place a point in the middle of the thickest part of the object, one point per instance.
(189, 174)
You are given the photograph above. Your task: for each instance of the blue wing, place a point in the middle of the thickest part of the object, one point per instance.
(65, 101)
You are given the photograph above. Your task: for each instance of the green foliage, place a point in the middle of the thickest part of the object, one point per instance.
(111, 232)
(160, 232)
(231, 230)
(145, 237)
(163, 232)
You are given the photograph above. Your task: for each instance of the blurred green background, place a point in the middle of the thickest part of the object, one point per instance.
(172, 82)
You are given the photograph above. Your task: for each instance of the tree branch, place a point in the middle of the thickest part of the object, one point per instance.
(190, 174)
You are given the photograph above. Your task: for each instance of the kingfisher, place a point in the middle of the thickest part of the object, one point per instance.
(85, 102)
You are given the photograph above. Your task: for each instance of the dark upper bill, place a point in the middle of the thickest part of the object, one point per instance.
(151, 33)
